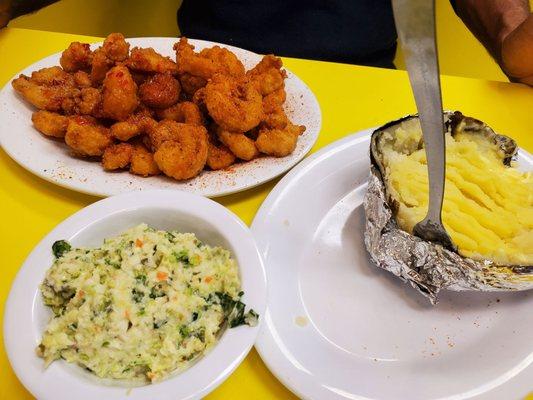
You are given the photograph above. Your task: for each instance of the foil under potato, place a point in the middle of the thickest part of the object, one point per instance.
(426, 266)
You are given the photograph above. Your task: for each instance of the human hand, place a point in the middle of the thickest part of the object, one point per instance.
(517, 53)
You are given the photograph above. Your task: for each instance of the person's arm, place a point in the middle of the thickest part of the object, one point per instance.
(10, 9)
(505, 27)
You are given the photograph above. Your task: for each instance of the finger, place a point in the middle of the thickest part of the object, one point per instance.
(517, 50)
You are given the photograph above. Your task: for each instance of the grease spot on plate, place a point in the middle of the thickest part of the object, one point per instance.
(301, 321)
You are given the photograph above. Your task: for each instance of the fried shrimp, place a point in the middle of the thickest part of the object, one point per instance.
(218, 155)
(115, 47)
(240, 145)
(235, 105)
(160, 91)
(133, 108)
(181, 149)
(142, 162)
(82, 79)
(89, 102)
(117, 156)
(50, 124)
(86, 138)
(77, 56)
(227, 63)
(279, 142)
(100, 66)
(164, 130)
(135, 125)
(274, 100)
(190, 83)
(50, 98)
(275, 119)
(148, 60)
(52, 76)
(267, 75)
(186, 112)
(208, 62)
(119, 93)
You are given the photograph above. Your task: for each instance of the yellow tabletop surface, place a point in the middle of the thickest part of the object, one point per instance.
(351, 98)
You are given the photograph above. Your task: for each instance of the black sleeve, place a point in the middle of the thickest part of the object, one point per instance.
(454, 5)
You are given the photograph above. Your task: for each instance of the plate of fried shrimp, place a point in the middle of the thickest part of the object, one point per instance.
(157, 113)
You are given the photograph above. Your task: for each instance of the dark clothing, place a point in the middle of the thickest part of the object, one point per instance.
(347, 31)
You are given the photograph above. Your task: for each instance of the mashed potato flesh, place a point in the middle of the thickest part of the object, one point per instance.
(488, 207)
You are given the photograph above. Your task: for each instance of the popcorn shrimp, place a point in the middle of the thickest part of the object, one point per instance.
(181, 154)
(242, 146)
(235, 105)
(119, 93)
(117, 156)
(77, 56)
(148, 60)
(186, 112)
(279, 142)
(50, 124)
(86, 138)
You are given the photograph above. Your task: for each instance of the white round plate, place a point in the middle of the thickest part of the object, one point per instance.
(50, 159)
(338, 327)
(26, 316)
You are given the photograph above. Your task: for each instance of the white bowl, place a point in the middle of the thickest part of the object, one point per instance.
(26, 316)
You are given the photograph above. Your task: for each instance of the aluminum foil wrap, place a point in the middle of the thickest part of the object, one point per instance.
(426, 266)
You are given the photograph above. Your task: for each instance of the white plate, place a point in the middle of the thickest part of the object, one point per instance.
(26, 316)
(337, 327)
(51, 160)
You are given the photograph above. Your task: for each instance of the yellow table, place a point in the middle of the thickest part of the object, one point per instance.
(351, 98)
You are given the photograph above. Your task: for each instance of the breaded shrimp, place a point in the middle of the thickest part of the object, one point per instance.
(115, 47)
(117, 156)
(218, 155)
(148, 60)
(160, 91)
(190, 83)
(184, 157)
(267, 75)
(208, 62)
(77, 56)
(227, 62)
(86, 138)
(274, 100)
(275, 119)
(135, 125)
(52, 76)
(199, 99)
(119, 93)
(167, 130)
(180, 149)
(82, 79)
(240, 145)
(50, 124)
(279, 142)
(43, 97)
(140, 77)
(235, 105)
(142, 162)
(186, 112)
(89, 102)
(100, 66)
